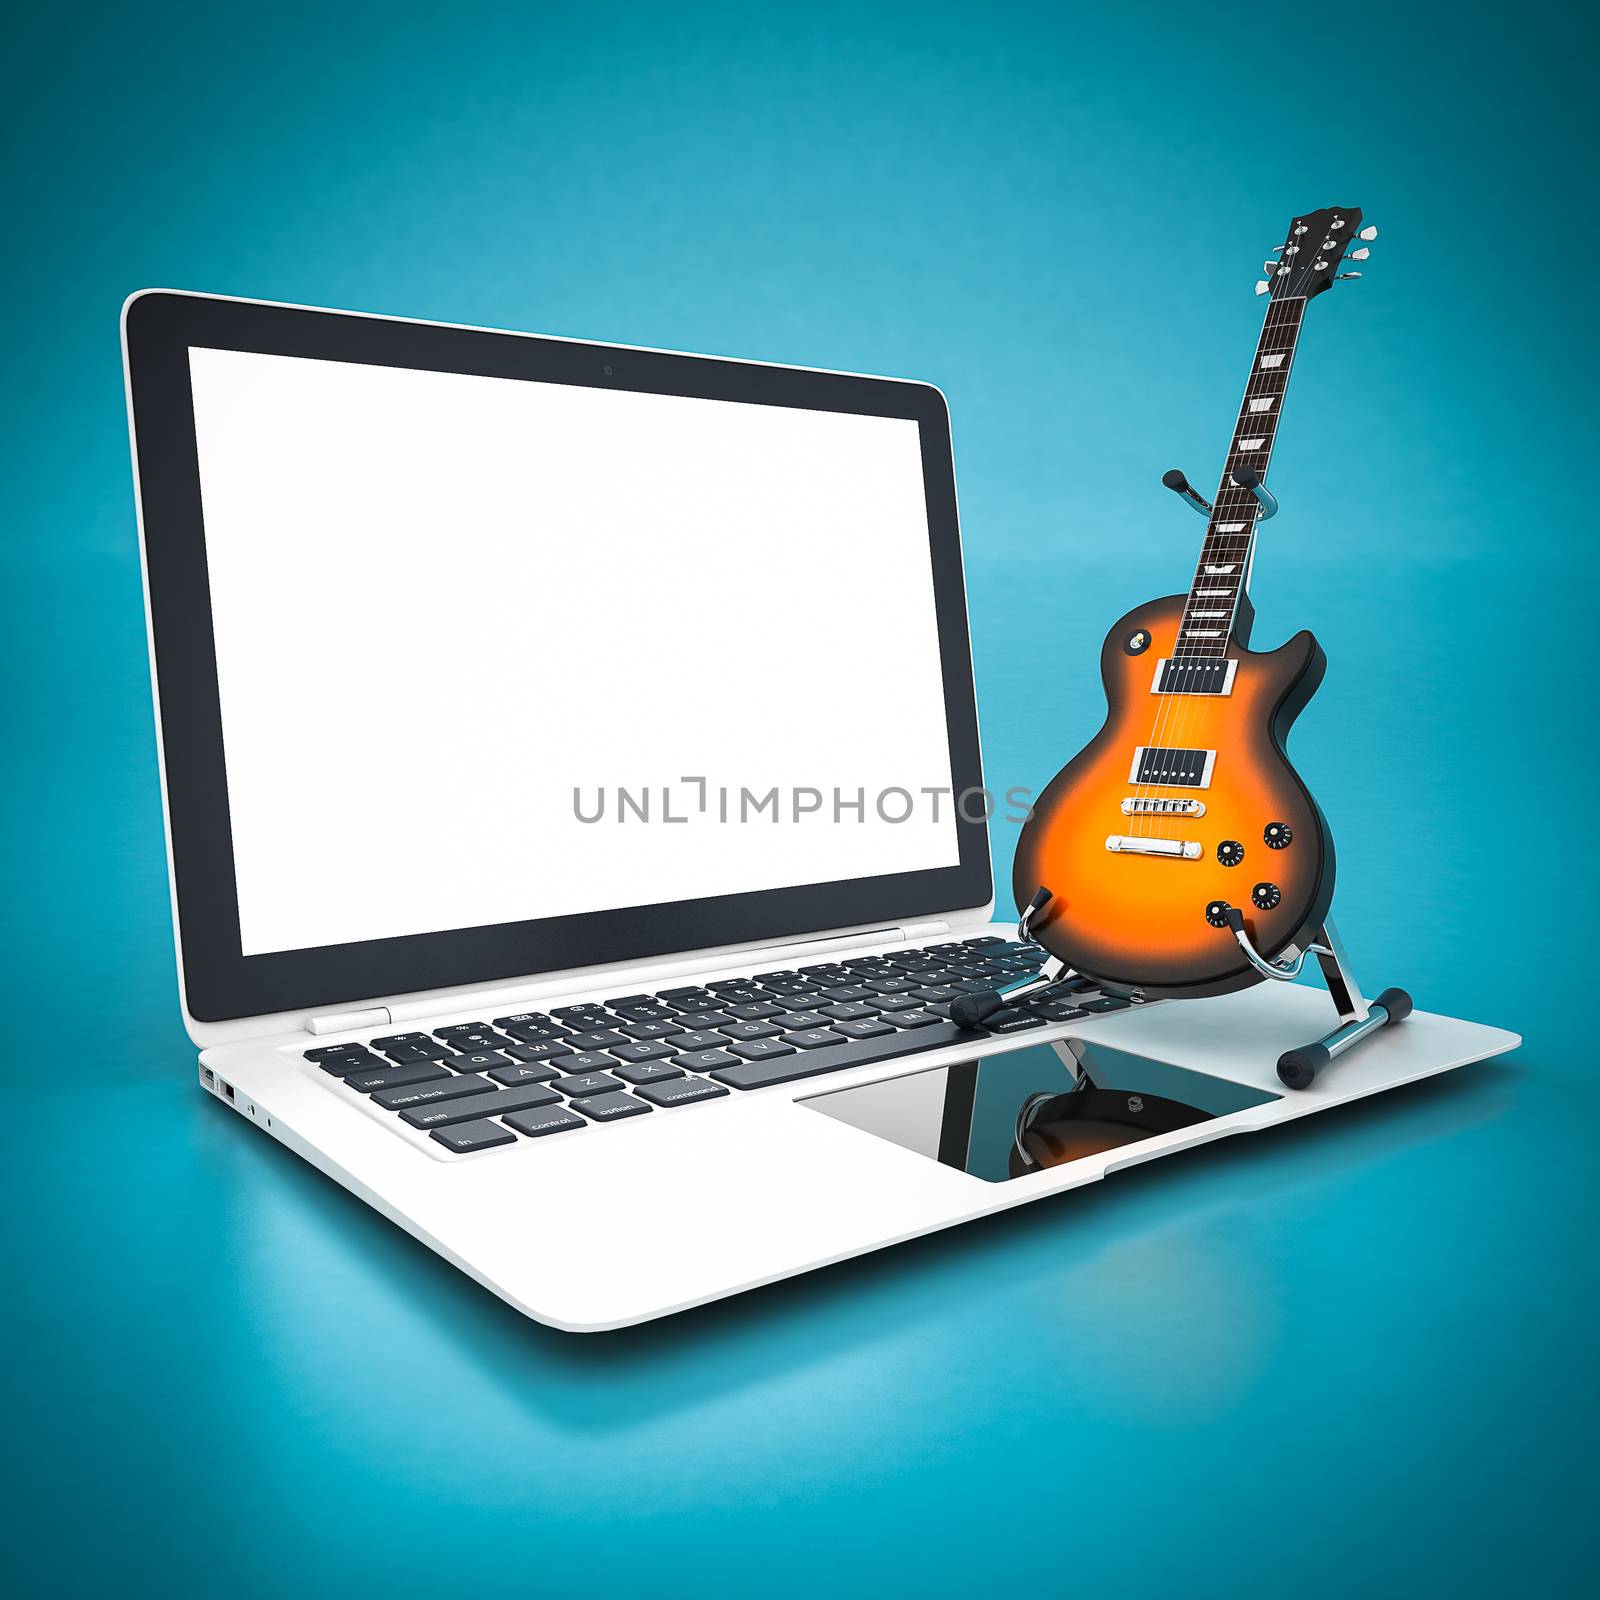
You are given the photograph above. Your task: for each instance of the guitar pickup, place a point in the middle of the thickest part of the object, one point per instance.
(1194, 675)
(1163, 767)
(1127, 845)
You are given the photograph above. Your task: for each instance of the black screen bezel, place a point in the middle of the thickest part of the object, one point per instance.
(220, 982)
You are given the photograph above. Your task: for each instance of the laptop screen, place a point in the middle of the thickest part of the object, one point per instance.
(482, 655)
(491, 649)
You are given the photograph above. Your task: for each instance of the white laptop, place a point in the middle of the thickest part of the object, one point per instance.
(575, 815)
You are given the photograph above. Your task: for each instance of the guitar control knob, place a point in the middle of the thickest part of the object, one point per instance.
(1277, 835)
(1230, 852)
(1217, 913)
(1265, 896)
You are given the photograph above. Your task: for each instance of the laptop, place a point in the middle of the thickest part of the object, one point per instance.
(576, 823)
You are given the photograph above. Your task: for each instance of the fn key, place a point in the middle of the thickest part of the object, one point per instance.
(466, 1137)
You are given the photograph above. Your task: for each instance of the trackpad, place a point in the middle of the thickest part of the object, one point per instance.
(1008, 1115)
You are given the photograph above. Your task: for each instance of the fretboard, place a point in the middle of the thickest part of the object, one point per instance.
(1224, 565)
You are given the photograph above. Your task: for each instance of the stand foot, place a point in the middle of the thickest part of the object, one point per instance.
(1298, 1068)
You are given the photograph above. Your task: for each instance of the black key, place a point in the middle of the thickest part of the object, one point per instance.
(333, 1052)
(400, 1038)
(494, 1104)
(552, 1119)
(523, 1019)
(972, 986)
(536, 1052)
(648, 1072)
(848, 1053)
(702, 1040)
(1009, 1019)
(649, 1030)
(934, 992)
(477, 1061)
(824, 973)
(343, 1066)
(987, 942)
(705, 1060)
(850, 991)
(481, 1039)
(456, 1029)
(813, 1038)
(680, 1092)
(775, 977)
(514, 1076)
(757, 1011)
(675, 994)
(749, 1030)
(586, 1061)
(423, 1094)
(394, 1077)
(578, 1012)
(870, 1028)
(761, 1049)
(896, 1002)
(472, 1136)
(917, 1019)
(646, 1014)
(640, 1050)
(698, 1021)
(889, 985)
(733, 986)
(796, 1020)
(529, 1034)
(598, 1040)
(430, 1050)
(848, 1013)
(631, 1000)
(584, 1083)
(1109, 1002)
(1057, 1011)
(610, 1107)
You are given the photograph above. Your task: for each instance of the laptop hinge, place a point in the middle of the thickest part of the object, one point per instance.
(350, 1021)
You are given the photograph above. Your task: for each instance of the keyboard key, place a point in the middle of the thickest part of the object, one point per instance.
(849, 991)
(895, 1002)
(630, 1000)
(917, 1019)
(648, 1072)
(585, 1061)
(761, 1049)
(428, 1050)
(705, 1060)
(775, 977)
(536, 1052)
(530, 1035)
(702, 1040)
(680, 1092)
(699, 1021)
(424, 1094)
(343, 1066)
(986, 942)
(848, 1013)
(935, 993)
(460, 1030)
(610, 1107)
(552, 1119)
(648, 1030)
(585, 1083)
(577, 1013)
(598, 1040)
(1057, 1011)
(749, 1030)
(334, 1052)
(680, 994)
(1012, 1019)
(889, 985)
(472, 1136)
(847, 1053)
(756, 1011)
(795, 1020)
(520, 1073)
(523, 1019)
(1107, 1002)
(494, 1104)
(369, 1082)
(868, 1028)
(640, 1050)
(813, 1038)
(477, 1061)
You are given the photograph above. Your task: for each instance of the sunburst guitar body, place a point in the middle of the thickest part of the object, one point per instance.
(1184, 807)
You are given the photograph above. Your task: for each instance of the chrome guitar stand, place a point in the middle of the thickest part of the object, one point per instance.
(1297, 1068)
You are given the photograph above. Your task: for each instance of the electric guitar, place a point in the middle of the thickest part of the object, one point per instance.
(1184, 810)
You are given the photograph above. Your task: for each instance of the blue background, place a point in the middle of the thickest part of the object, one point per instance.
(1354, 1357)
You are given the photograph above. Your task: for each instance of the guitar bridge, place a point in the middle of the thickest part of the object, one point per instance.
(1151, 806)
(1129, 845)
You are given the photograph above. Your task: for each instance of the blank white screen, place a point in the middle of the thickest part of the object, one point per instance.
(443, 603)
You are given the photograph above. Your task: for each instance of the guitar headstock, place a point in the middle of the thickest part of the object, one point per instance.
(1318, 243)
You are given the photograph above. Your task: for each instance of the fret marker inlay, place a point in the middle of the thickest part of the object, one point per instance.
(1230, 527)
(1261, 405)
(1219, 572)
(1269, 362)
(1251, 444)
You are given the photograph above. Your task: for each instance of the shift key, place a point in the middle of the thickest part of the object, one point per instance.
(469, 1109)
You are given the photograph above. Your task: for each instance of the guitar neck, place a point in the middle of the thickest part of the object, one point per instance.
(1224, 566)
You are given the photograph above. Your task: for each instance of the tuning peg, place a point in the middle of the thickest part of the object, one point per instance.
(1269, 265)
(1368, 234)
(1358, 255)
(1338, 275)
(1263, 287)
(1276, 250)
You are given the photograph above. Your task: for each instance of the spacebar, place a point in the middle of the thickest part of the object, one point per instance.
(835, 1057)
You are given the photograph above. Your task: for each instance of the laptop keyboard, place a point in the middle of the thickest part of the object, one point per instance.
(478, 1085)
